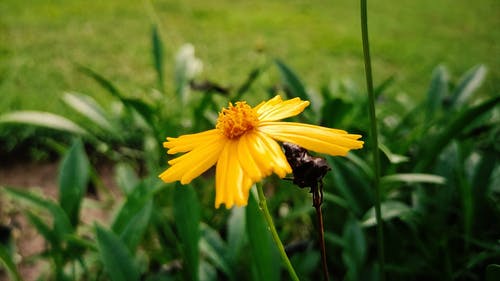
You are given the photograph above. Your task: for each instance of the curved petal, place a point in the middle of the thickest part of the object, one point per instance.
(232, 185)
(276, 109)
(192, 164)
(266, 105)
(247, 161)
(189, 142)
(316, 138)
(268, 154)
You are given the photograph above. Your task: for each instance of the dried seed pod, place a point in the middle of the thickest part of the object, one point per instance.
(308, 171)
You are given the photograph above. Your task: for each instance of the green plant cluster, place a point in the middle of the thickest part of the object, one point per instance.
(440, 186)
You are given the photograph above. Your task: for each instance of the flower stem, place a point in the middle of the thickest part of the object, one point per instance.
(374, 136)
(317, 200)
(276, 238)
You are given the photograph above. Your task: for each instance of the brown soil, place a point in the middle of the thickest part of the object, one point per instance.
(42, 179)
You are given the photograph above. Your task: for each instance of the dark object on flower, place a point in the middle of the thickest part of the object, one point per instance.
(308, 171)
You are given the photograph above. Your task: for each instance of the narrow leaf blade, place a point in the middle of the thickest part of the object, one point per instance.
(292, 81)
(73, 180)
(115, 256)
(187, 219)
(43, 119)
(265, 256)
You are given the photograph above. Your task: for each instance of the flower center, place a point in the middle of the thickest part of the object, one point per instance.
(237, 119)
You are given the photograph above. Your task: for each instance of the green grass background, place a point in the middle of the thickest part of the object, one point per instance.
(41, 40)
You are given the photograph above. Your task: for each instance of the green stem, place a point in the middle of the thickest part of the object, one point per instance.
(374, 136)
(276, 238)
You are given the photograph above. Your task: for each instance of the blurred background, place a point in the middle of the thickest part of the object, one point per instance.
(118, 73)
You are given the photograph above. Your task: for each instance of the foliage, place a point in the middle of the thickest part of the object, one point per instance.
(440, 186)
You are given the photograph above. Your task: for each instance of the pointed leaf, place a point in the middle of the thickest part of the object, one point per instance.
(125, 177)
(454, 128)
(291, 81)
(8, 262)
(236, 234)
(88, 107)
(62, 225)
(469, 83)
(492, 272)
(389, 210)
(43, 229)
(73, 180)
(392, 157)
(438, 90)
(212, 245)
(136, 227)
(118, 263)
(43, 119)
(105, 83)
(133, 205)
(187, 221)
(158, 57)
(265, 256)
(354, 252)
(413, 178)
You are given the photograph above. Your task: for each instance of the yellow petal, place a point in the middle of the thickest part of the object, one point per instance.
(316, 138)
(247, 161)
(266, 105)
(269, 154)
(189, 142)
(282, 109)
(192, 164)
(232, 185)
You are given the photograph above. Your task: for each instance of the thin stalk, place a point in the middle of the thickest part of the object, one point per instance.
(317, 200)
(276, 238)
(374, 136)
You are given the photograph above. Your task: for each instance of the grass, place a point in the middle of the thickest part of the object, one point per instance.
(41, 41)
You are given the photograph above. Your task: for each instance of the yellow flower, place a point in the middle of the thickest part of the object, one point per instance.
(244, 147)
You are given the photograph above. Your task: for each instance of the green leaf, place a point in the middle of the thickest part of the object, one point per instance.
(454, 128)
(158, 57)
(212, 245)
(9, 265)
(265, 256)
(62, 224)
(43, 119)
(136, 227)
(43, 229)
(468, 84)
(392, 157)
(389, 210)
(187, 221)
(354, 249)
(291, 81)
(88, 107)
(438, 90)
(118, 263)
(135, 202)
(236, 234)
(413, 178)
(73, 180)
(105, 83)
(125, 177)
(492, 272)
(136, 104)
(335, 199)
(143, 109)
